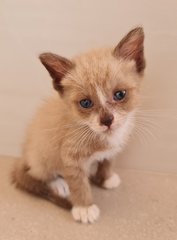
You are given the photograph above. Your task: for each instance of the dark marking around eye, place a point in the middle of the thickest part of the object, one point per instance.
(119, 95)
(86, 103)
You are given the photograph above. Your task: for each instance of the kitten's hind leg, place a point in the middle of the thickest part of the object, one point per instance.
(23, 180)
(105, 177)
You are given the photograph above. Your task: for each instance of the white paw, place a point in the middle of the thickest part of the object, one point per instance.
(86, 214)
(112, 182)
(60, 187)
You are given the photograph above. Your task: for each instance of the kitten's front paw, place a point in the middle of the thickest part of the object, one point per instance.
(112, 182)
(86, 214)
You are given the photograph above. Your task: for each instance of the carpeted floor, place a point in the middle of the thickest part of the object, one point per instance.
(144, 207)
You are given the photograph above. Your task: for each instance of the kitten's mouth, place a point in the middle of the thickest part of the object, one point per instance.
(108, 130)
(105, 130)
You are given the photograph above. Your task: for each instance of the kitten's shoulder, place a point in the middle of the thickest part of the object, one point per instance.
(49, 114)
(50, 106)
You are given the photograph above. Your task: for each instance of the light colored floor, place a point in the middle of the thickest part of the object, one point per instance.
(144, 207)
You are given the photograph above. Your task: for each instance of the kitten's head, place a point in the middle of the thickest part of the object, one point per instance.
(101, 87)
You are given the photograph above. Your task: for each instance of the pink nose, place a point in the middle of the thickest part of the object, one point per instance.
(107, 120)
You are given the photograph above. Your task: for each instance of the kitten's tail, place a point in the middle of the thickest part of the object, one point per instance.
(23, 180)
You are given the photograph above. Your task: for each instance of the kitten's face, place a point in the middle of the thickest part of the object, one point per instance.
(102, 91)
(101, 87)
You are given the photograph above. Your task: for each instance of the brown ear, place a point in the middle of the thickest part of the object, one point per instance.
(57, 67)
(131, 48)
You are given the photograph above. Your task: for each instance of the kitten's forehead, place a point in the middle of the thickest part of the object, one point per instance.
(92, 67)
(98, 74)
(100, 69)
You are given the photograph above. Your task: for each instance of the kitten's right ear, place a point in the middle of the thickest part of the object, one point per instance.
(57, 67)
(131, 48)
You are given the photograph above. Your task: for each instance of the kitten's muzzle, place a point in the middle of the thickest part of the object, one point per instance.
(107, 120)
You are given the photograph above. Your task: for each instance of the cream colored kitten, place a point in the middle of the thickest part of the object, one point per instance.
(88, 121)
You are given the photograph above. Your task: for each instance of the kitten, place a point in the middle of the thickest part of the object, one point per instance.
(88, 121)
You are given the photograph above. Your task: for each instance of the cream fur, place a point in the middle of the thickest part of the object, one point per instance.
(65, 139)
(112, 182)
(86, 214)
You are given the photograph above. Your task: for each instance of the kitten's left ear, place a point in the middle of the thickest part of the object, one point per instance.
(57, 67)
(131, 48)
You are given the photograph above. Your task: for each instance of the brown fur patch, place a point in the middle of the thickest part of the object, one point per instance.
(22, 180)
(131, 47)
(57, 67)
(104, 171)
(106, 117)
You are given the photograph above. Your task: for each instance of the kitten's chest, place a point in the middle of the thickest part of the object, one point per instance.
(113, 146)
(99, 156)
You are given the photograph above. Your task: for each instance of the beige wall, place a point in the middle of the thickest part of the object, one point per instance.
(68, 27)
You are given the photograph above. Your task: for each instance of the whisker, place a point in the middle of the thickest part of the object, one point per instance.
(81, 140)
(74, 133)
(140, 136)
(144, 137)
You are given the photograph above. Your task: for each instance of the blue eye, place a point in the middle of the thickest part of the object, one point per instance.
(119, 95)
(86, 103)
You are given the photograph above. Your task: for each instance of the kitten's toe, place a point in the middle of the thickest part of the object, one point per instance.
(86, 214)
(60, 187)
(112, 182)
